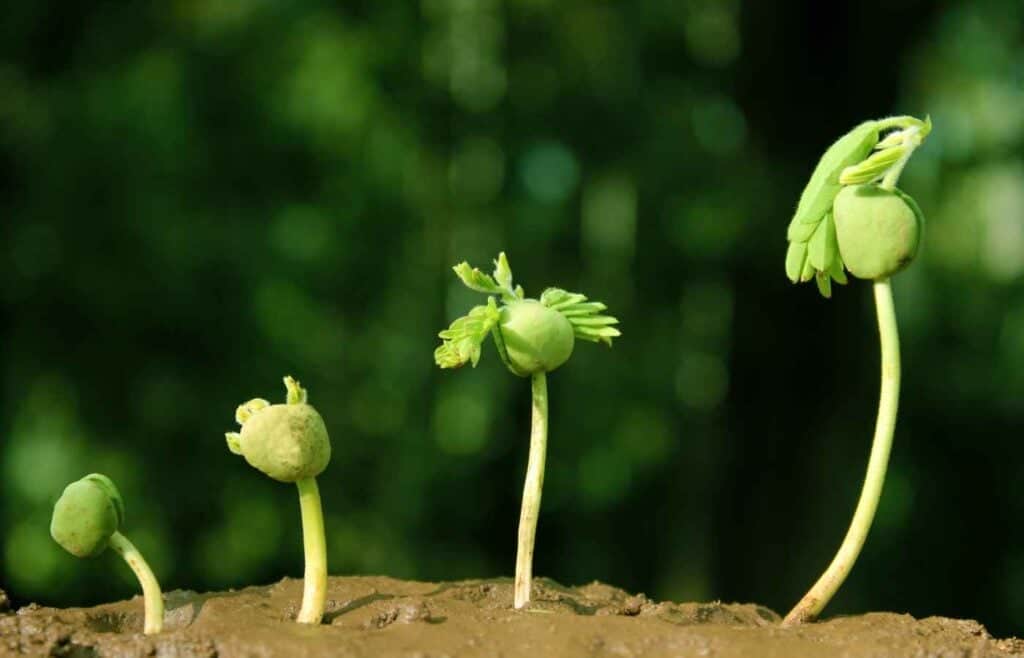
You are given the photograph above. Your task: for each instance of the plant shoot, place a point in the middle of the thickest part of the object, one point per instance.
(852, 217)
(86, 520)
(533, 337)
(289, 443)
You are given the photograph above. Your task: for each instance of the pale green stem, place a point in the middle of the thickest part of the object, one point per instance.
(314, 593)
(811, 605)
(151, 594)
(532, 490)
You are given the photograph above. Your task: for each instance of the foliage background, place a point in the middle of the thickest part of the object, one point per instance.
(200, 197)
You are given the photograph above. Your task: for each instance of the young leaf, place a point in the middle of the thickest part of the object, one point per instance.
(296, 394)
(796, 256)
(234, 440)
(558, 299)
(838, 275)
(807, 273)
(461, 341)
(597, 334)
(502, 272)
(824, 282)
(587, 308)
(874, 167)
(813, 249)
(585, 317)
(822, 250)
(476, 280)
(823, 186)
(247, 409)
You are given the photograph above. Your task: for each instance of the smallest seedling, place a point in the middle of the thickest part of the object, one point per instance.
(85, 522)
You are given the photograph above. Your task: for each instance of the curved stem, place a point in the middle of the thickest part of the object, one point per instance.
(151, 593)
(314, 592)
(811, 605)
(532, 490)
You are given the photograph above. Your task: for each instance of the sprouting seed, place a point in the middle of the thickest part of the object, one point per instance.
(851, 217)
(533, 337)
(289, 443)
(87, 519)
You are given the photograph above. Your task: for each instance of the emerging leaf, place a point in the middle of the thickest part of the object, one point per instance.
(585, 317)
(296, 393)
(245, 411)
(498, 284)
(874, 167)
(234, 440)
(823, 186)
(502, 272)
(461, 341)
(558, 299)
(813, 250)
(476, 280)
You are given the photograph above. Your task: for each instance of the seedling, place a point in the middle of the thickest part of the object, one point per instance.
(852, 216)
(85, 522)
(533, 337)
(289, 443)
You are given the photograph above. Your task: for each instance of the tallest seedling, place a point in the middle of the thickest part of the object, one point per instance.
(851, 215)
(533, 337)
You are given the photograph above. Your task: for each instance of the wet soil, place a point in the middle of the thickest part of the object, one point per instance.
(376, 617)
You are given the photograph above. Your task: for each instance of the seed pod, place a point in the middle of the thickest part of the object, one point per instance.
(537, 338)
(287, 442)
(878, 230)
(85, 516)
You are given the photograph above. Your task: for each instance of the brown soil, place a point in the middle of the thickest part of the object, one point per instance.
(377, 617)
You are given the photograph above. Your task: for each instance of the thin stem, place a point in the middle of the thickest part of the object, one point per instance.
(811, 605)
(532, 490)
(151, 594)
(314, 593)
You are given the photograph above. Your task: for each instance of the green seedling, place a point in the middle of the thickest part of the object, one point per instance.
(851, 217)
(289, 443)
(533, 337)
(86, 519)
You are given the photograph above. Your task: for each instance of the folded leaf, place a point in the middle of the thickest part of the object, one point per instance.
(476, 280)
(822, 250)
(823, 186)
(502, 272)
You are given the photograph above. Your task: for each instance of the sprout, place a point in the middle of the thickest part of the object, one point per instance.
(533, 337)
(289, 443)
(852, 217)
(85, 522)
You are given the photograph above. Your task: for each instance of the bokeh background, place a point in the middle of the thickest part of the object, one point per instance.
(199, 197)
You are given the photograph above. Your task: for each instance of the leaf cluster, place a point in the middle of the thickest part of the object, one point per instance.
(461, 342)
(855, 158)
(586, 317)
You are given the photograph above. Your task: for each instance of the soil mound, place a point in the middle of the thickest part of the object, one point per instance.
(376, 617)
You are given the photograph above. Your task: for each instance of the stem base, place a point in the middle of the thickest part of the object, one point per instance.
(530, 510)
(151, 594)
(314, 593)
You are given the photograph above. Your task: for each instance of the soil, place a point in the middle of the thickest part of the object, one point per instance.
(375, 617)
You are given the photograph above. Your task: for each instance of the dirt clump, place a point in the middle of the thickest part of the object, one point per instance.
(376, 617)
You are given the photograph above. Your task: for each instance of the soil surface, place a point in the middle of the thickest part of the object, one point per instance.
(376, 617)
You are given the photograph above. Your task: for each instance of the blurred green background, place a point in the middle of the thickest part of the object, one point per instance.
(200, 197)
